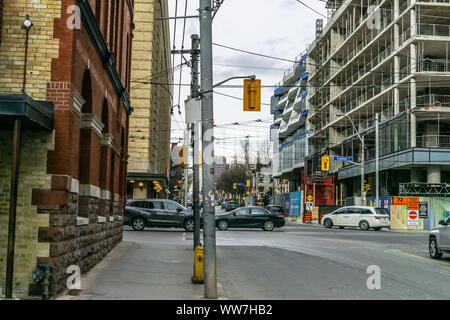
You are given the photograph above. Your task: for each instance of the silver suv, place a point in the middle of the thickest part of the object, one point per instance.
(439, 239)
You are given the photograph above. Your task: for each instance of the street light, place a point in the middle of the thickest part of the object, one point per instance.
(363, 196)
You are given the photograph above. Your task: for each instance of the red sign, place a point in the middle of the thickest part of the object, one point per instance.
(413, 215)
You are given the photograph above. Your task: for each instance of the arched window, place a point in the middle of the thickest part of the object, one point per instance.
(104, 149)
(105, 117)
(84, 143)
(122, 177)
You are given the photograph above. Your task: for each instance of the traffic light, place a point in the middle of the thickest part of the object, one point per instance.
(235, 186)
(252, 95)
(325, 163)
(249, 183)
(368, 187)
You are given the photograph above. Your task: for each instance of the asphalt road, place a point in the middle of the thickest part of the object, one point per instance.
(290, 263)
(311, 262)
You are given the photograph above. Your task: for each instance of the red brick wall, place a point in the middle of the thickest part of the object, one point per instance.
(77, 54)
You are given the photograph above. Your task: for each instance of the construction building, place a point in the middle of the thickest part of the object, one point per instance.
(150, 124)
(386, 57)
(289, 131)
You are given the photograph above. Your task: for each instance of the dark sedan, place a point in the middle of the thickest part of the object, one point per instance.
(250, 217)
(275, 208)
(157, 213)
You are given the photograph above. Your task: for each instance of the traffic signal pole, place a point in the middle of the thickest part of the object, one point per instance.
(209, 230)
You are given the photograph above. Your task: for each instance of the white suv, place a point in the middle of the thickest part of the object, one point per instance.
(439, 239)
(363, 217)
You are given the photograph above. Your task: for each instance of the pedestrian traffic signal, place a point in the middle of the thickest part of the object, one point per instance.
(252, 95)
(234, 185)
(368, 187)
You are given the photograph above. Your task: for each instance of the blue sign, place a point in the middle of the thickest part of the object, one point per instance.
(295, 204)
(343, 158)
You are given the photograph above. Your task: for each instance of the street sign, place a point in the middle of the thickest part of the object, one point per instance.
(309, 206)
(309, 198)
(413, 217)
(343, 158)
(423, 210)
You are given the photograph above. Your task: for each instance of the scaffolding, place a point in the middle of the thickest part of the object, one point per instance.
(332, 6)
(424, 189)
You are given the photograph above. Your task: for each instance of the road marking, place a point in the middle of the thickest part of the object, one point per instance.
(422, 258)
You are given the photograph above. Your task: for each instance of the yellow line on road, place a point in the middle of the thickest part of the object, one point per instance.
(422, 258)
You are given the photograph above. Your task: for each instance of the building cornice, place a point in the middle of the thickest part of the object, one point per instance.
(106, 56)
(91, 121)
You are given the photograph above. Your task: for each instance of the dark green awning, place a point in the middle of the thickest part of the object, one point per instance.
(35, 115)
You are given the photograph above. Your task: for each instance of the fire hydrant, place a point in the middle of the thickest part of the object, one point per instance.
(198, 276)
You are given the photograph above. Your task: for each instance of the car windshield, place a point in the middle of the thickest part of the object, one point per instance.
(381, 211)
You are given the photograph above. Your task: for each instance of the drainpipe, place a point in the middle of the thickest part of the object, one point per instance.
(13, 208)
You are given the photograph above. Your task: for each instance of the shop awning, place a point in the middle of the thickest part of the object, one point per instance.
(35, 115)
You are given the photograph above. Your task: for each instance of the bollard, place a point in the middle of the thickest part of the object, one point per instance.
(198, 276)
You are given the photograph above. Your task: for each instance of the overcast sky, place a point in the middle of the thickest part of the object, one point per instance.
(280, 28)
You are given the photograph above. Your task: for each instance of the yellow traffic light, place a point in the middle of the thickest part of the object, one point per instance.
(368, 187)
(249, 183)
(234, 185)
(252, 95)
(325, 163)
(183, 154)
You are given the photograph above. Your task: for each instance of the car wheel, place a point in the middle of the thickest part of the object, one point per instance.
(364, 225)
(377, 229)
(223, 225)
(138, 224)
(341, 227)
(434, 250)
(328, 223)
(268, 225)
(189, 225)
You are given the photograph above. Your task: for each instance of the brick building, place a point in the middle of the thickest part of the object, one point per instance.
(150, 124)
(64, 111)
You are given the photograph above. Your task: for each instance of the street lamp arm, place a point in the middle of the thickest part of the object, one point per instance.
(229, 79)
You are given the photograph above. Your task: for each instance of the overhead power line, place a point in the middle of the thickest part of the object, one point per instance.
(252, 53)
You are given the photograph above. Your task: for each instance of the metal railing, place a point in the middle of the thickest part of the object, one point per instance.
(433, 65)
(433, 141)
(438, 30)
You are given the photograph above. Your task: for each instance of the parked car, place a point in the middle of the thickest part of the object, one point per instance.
(363, 217)
(231, 206)
(250, 217)
(439, 239)
(157, 213)
(275, 208)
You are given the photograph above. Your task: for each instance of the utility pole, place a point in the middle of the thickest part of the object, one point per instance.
(195, 141)
(186, 170)
(209, 230)
(377, 159)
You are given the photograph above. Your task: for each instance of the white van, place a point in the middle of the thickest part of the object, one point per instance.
(357, 216)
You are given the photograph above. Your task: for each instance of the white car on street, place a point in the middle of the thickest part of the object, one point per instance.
(357, 216)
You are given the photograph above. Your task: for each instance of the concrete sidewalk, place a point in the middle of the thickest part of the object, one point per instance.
(142, 271)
